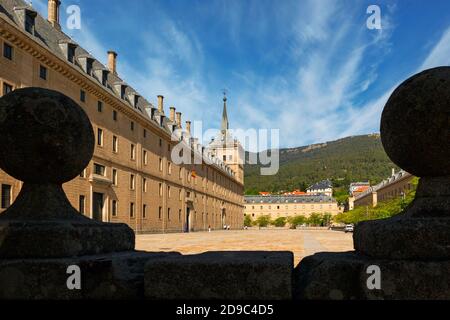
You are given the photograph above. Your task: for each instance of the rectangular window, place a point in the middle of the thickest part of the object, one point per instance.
(99, 106)
(115, 144)
(169, 168)
(114, 208)
(7, 88)
(160, 213)
(89, 63)
(168, 214)
(224, 158)
(114, 177)
(144, 157)
(132, 182)
(144, 185)
(114, 115)
(132, 210)
(179, 215)
(29, 23)
(82, 96)
(145, 133)
(168, 191)
(82, 204)
(7, 51)
(160, 190)
(122, 92)
(160, 142)
(144, 211)
(133, 152)
(132, 126)
(104, 77)
(99, 169)
(160, 164)
(43, 72)
(180, 195)
(99, 137)
(70, 53)
(6, 196)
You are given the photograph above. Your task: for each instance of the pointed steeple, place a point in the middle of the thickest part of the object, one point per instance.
(224, 125)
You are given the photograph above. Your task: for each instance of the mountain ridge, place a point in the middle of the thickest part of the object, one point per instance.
(345, 160)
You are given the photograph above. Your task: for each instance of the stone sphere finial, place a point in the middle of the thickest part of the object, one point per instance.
(45, 136)
(415, 124)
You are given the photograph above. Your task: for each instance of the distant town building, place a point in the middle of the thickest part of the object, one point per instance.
(358, 187)
(277, 206)
(324, 187)
(295, 193)
(393, 187)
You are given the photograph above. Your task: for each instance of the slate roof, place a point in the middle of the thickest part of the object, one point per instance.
(55, 41)
(324, 184)
(386, 182)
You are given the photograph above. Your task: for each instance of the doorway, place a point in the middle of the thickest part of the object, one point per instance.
(223, 218)
(97, 206)
(188, 220)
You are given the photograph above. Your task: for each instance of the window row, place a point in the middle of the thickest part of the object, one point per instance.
(132, 209)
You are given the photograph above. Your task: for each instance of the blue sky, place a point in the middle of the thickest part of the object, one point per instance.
(309, 68)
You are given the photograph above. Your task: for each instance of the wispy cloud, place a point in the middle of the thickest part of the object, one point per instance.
(309, 68)
(440, 54)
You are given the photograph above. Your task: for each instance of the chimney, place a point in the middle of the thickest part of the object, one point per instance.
(179, 119)
(188, 127)
(161, 104)
(172, 114)
(112, 61)
(53, 13)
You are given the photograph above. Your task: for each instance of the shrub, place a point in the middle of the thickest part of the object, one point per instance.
(263, 221)
(279, 222)
(248, 222)
(296, 221)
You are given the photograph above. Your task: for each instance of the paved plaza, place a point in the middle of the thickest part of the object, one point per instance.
(301, 242)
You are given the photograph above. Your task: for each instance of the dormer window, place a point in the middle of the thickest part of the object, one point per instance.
(89, 63)
(71, 53)
(29, 21)
(105, 77)
(122, 92)
(27, 17)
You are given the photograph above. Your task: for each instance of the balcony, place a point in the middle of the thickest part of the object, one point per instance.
(99, 179)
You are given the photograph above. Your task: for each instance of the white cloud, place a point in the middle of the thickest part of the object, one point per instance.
(440, 54)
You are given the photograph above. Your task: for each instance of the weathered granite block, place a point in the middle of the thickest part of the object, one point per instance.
(108, 276)
(342, 276)
(221, 275)
(328, 276)
(412, 249)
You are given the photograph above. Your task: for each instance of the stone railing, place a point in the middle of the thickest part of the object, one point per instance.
(50, 251)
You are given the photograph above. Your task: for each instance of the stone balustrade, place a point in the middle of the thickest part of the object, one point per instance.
(42, 236)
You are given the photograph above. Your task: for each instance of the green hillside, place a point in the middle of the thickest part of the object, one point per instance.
(357, 158)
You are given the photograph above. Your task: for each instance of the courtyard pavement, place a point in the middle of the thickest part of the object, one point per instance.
(301, 242)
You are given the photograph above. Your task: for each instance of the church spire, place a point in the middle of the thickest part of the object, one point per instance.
(224, 125)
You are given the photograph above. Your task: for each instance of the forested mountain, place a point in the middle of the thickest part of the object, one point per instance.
(356, 158)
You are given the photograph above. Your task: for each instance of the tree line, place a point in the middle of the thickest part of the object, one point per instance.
(313, 220)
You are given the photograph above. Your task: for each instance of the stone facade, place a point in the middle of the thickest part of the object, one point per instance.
(289, 206)
(131, 177)
(393, 187)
